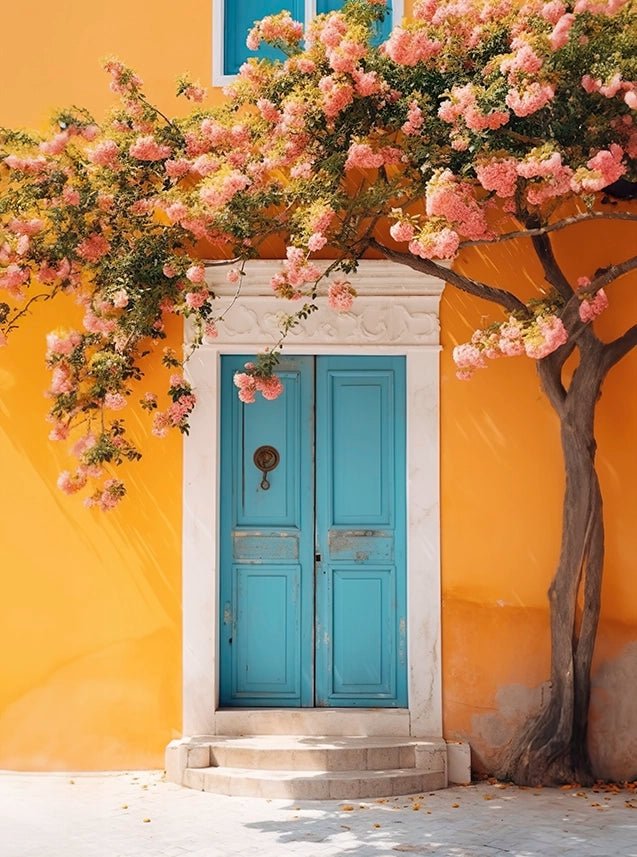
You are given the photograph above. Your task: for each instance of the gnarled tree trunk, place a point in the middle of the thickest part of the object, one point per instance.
(552, 748)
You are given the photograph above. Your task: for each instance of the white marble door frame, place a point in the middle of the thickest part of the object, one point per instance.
(396, 312)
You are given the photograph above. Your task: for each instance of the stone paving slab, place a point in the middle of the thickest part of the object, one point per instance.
(141, 815)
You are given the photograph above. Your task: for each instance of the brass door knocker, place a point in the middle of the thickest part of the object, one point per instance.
(266, 458)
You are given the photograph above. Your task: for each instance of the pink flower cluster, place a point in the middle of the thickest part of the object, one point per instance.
(550, 177)
(337, 95)
(591, 306)
(525, 100)
(109, 497)
(362, 156)
(92, 248)
(32, 165)
(249, 384)
(273, 29)
(415, 120)
(499, 175)
(537, 338)
(104, 154)
(340, 295)
(454, 200)
(602, 169)
(612, 87)
(148, 149)
(463, 107)
(176, 415)
(435, 242)
(409, 47)
(218, 191)
(297, 271)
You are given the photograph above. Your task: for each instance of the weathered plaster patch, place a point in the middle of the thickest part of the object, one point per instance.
(492, 733)
(613, 727)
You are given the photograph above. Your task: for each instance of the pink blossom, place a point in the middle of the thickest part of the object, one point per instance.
(70, 483)
(547, 336)
(120, 299)
(211, 330)
(61, 381)
(194, 93)
(148, 149)
(344, 57)
(70, 196)
(591, 308)
(247, 386)
(196, 274)
(435, 244)
(32, 165)
(340, 295)
(337, 95)
(62, 345)
(415, 119)
(530, 100)
(468, 357)
(60, 431)
(561, 30)
(115, 401)
(233, 276)
(104, 154)
(275, 28)
(316, 241)
(176, 211)
(602, 169)
(221, 190)
(26, 227)
(177, 168)
(553, 11)
(13, 278)
(195, 300)
(362, 156)
(402, 231)
(93, 247)
(56, 145)
(409, 47)
(366, 82)
(454, 200)
(268, 110)
(499, 175)
(524, 61)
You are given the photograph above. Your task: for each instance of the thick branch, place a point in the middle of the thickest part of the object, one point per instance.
(552, 271)
(473, 287)
(552, 227)
(620, 347)
(612, 273)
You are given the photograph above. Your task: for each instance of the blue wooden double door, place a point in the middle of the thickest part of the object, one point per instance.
(312, 583)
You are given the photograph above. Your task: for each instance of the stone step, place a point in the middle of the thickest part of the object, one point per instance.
(303, 753)
(313, 785)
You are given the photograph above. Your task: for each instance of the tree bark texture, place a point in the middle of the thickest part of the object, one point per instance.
(552, 748)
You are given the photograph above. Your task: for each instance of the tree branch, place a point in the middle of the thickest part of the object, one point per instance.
(473, 287)
(552, 271)
(613, 272)
(552, 227)
(620, 347)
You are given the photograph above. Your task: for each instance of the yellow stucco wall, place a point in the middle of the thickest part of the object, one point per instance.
(90, 611)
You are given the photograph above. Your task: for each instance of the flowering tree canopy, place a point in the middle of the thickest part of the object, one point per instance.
(478, 121)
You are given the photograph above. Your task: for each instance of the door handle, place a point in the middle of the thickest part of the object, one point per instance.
(266, 458)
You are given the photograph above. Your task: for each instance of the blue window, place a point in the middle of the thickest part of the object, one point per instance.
(235, 18)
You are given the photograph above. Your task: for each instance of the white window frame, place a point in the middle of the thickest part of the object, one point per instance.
(218, 31)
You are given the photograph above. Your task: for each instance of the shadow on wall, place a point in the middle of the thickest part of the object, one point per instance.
(613, 720)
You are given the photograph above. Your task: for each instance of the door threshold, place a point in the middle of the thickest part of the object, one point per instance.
(313, 721)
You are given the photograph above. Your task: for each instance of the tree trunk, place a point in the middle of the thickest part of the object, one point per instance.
(552, 748)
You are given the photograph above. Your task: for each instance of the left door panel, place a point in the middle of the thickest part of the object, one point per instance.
(267, 568)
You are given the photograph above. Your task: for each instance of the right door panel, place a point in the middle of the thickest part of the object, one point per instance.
(360, 519)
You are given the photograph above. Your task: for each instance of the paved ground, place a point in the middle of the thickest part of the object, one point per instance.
(140, 815)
